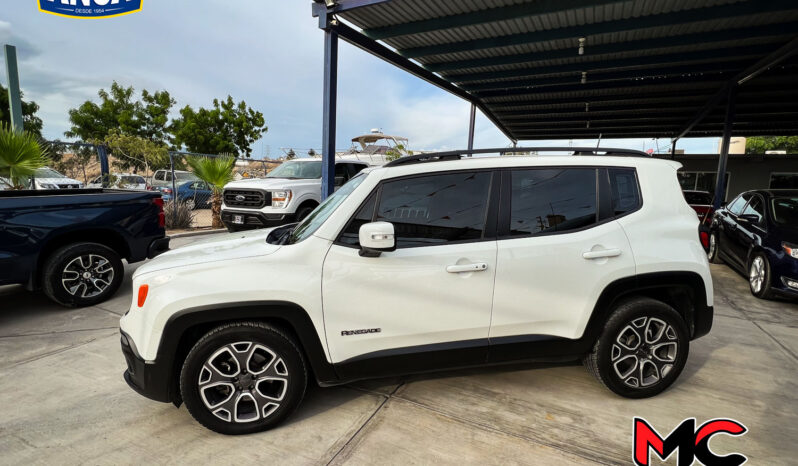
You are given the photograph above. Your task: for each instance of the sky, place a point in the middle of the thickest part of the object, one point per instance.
(266, 52)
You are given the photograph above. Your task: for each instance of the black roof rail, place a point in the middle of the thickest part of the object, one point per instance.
(458, 154)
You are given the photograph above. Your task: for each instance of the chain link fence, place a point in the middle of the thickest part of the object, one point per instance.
(188, 200)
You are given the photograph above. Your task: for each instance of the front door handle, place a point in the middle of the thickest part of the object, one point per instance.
(602, 253)
(476, 267)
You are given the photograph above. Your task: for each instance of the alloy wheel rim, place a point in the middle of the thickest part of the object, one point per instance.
(87, 276)
(756, 276)
(644, 352)
(243, 382)
(190, 203)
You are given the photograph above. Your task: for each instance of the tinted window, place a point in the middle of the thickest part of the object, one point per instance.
(547, 201)
(355, 168)
(755, 207)
(736, 206)
(785, 210)
(350, 235)
(341, 174)
(698, 198)
(435, 209)
(625, 194)
(159, 175)
(784, 181)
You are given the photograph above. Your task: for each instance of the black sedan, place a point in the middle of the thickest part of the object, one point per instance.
(757, 234)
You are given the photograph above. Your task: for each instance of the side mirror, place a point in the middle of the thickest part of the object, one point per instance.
(376, 237)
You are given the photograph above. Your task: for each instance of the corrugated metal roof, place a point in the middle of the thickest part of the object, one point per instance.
(516, 56)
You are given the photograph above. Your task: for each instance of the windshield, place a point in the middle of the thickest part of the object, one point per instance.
(185, 176)
(316, 218)
(47, 173)
(296, 169)
(785, 210)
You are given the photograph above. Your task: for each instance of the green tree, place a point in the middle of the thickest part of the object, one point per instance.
(119, 110)
(136, 152)
(30, 121)
(217, 172)
(20, 155)
(226, 128)
(760, 144)
(290, 155)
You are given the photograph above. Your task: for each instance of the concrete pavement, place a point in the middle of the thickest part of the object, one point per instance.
(62, 399)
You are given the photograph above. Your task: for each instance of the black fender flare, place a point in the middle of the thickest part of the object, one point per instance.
(185, 327)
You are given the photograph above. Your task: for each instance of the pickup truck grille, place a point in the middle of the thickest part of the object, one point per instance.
(68, 186)
(246, 198)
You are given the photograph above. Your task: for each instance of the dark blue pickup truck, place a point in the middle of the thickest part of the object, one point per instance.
(71, 245)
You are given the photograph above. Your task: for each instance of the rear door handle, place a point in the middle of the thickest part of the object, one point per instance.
(476, 267)
(601, 253)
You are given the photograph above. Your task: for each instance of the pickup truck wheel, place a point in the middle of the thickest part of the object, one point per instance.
(642, 349)
(243, 377)
(82, 274)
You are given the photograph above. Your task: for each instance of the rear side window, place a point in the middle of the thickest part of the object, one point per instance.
(698, 198)
(625, 192)
(435, 209)
(354, 168)
(552, 200)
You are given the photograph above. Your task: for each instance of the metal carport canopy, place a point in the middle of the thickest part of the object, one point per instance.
(647, 68)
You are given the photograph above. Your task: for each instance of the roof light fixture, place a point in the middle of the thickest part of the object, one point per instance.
(584, 77)
(582, 45)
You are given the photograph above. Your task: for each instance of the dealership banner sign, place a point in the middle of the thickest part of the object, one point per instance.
(89, 8)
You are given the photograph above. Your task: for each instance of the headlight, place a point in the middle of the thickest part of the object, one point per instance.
(280, 199)
(790, 249)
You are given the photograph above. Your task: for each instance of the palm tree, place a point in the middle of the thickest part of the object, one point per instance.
(20, 156)
(217, 172)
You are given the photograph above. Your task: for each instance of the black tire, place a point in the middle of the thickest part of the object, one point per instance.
(61, 266)
(714, 255)
(765, 290)
(303, 212)
(289, 379)
(608, 363)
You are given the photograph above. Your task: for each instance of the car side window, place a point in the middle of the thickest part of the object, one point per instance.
(755, 207)
(341, 175)
(435, 209)
(625, 192)
(351, 234)
(354, 168)
(159, 175)
(552, 200)
(736, 206)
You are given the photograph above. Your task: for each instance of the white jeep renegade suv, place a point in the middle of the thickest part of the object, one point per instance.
(425, 264)
(287, 194)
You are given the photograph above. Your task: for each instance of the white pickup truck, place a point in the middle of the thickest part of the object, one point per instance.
(287, 194)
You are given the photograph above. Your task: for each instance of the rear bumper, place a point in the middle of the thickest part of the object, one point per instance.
(148, 379)
(158, 246)
(254, 219)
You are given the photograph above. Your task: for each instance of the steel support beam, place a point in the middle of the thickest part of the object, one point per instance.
(329, 112)
(720, 182)
(359, 40)
(14, 96)
(774, 58)
(627, 24)
(471, 122)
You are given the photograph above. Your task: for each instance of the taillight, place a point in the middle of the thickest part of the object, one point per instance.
(143, 290)
(704, 237)
(158, 201)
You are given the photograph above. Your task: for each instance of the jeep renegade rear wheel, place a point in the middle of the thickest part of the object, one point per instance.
(243, 377)
(642, 349)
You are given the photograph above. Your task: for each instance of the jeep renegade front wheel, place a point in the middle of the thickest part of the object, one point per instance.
(642, 349)
(243, 377)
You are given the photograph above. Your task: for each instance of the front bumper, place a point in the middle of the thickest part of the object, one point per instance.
(254, 219)
(149, 379)
(158, 246)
